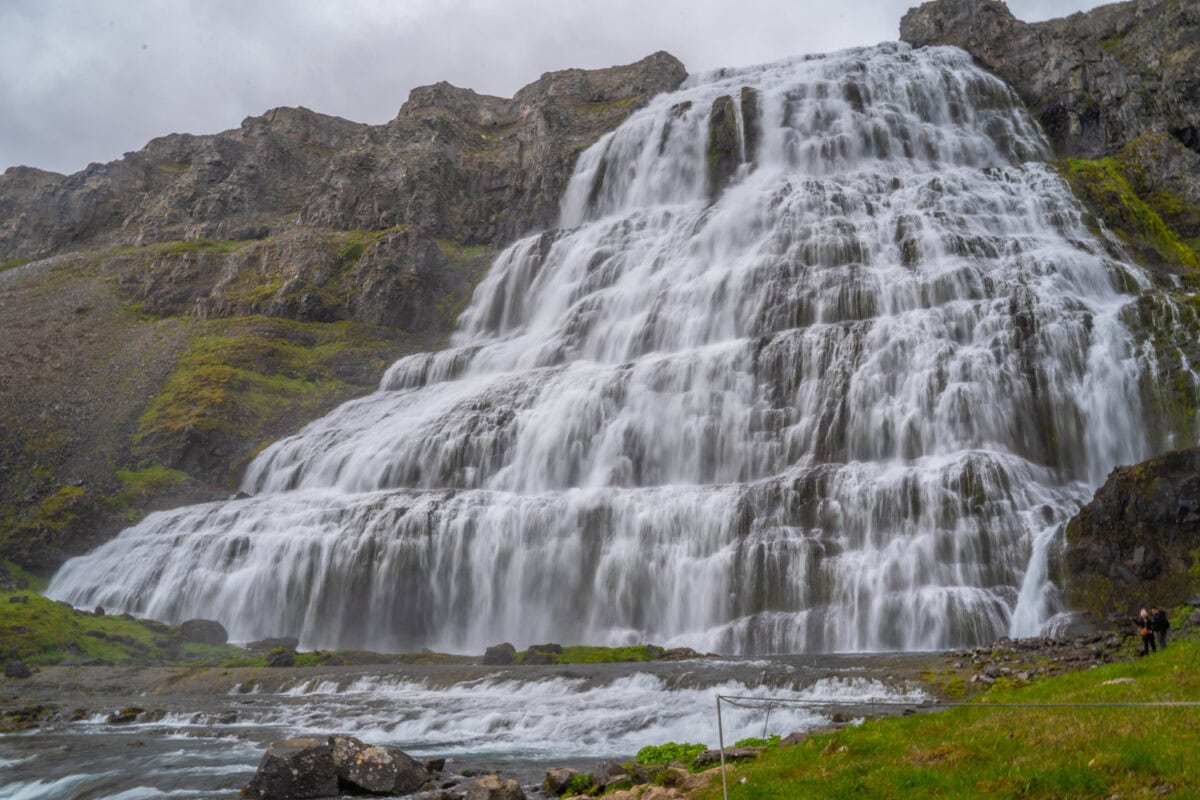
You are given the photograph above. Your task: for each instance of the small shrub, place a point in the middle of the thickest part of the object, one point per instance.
(755, 741)
(685, 752)
(579, 784)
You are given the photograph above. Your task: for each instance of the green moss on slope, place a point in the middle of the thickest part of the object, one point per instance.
(244, 381)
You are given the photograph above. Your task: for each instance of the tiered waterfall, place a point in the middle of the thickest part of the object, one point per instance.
(820, 358)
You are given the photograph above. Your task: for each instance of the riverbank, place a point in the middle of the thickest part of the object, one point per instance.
(199, 730)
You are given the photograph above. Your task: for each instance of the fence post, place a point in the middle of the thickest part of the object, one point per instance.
(721, 742)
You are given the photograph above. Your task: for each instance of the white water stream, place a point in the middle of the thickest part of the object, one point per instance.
(843, 406)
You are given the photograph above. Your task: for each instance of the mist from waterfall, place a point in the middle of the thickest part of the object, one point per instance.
(839, 398)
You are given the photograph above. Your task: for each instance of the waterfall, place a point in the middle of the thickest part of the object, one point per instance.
(842, 401)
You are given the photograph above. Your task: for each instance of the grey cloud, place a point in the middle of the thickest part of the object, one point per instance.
(86, 80)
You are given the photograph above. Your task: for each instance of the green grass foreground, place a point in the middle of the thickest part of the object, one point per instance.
(979, 752)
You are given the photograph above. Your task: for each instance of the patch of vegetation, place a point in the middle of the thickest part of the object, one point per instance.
(13, 263)
(467, 265)
(60, 510)
(244, 378)
(976, 752)
(1117, 190)
(43, 631)
(683, 752)
(586, 654)
(140, 487)
(758, 741)
(622, 104)
(24, 580)
(199, 246)
(579, 784)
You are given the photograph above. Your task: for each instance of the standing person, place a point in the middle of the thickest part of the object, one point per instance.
(1159, 624)
(1142, 621)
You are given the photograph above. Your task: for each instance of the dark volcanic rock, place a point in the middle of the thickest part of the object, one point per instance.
(295, 768)
(1135, 544)
(452, 163)
(410, 773)
(363, 767)
(1095, 80)
(16, 669)
(709, 757)
(281, 657)
(500, 654)
(203, 631)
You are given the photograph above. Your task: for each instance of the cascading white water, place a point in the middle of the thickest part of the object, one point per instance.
(833, 408)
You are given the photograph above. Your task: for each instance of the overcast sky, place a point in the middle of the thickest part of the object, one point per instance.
(88, 80)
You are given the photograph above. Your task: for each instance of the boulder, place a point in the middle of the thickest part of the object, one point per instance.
(125, 715)
(280, 657)
(295, 769)
(709, 757)
(493, 787)
(558, 778)
(19, 598)
(361, 766)
(16, 669)
(203, 631)
(500, 654)
(434, 764)
(410, 773)
(606, 773)
(1133, 544)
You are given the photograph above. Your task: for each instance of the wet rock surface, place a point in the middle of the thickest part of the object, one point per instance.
(1136, 543)
(295, 768)
(1095, 80)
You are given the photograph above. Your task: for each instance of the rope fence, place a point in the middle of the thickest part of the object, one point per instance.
(785, 702)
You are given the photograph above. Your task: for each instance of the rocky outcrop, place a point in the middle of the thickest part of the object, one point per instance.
(454, 164)
(499, 655)
(203, 631)
(1138, 542)
(295, 768)
(1095, 80)
(376, 770)
(331, 766)
(1117, 90)
(207, 294)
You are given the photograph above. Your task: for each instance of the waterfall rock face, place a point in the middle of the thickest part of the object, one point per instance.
(843, 404)
(1135, 544)
(1095, 80)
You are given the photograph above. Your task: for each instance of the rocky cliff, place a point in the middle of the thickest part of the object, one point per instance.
(164, 316)
(1138, 542)
(1117, 90)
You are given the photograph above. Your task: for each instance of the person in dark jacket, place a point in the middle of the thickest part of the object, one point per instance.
(1143, 622)
(1159, 624)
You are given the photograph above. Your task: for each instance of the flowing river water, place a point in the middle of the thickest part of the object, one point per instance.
(839, 397)
(204, 739)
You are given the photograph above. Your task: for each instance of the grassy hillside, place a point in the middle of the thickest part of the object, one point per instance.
(979, 752)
